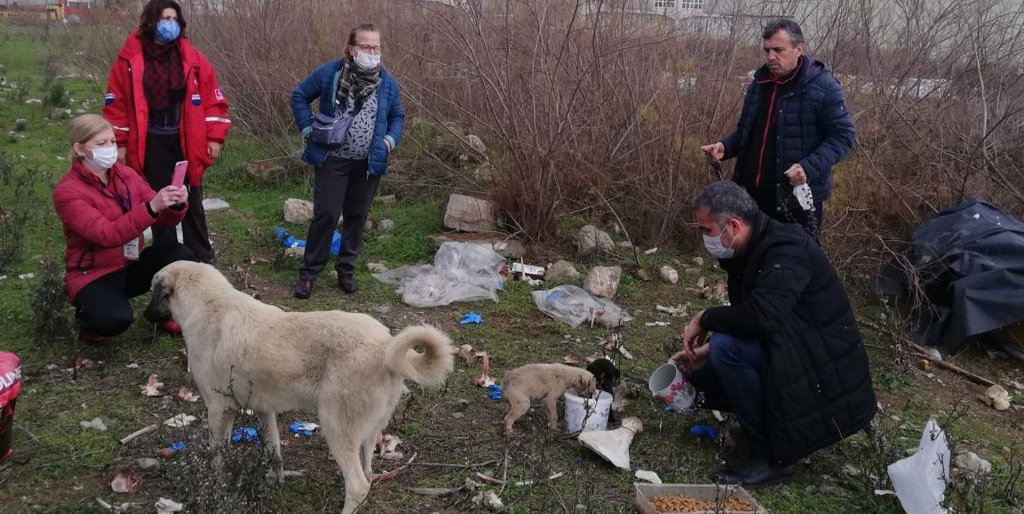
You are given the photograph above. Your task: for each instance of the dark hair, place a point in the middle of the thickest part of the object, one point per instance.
(793, 28)
(151, 16)
(362, 27)
(726, 199)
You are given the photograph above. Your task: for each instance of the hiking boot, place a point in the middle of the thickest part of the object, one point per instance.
(756, 473)
(303, 288)
(348, 283)
(170, 326)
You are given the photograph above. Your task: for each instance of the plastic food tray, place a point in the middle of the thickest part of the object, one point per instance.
(705, 492)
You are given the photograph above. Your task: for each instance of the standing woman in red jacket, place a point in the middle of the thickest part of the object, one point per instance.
(166, 106)
(104, 207)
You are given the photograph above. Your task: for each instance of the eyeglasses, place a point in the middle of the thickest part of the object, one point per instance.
(369, 48)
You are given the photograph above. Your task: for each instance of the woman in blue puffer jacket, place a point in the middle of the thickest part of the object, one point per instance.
(359, 123)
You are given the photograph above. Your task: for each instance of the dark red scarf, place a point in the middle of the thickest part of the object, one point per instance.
(164, 77)
(776, 82)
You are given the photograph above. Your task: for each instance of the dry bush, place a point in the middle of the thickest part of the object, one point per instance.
(589, 110)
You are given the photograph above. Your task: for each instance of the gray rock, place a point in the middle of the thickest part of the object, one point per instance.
(368, 226)
(669, 274)
(699, 261)
(625, 245)
(590, 240)
(970, 461)
(263, 170)
(562, 271)
(385, 225)
(298, 211)
(376, 267)
(476, 144)
(20, 124)
(33, 101)
(59, 113)
(470, 214)
(147, 463)
(603, 281)
(484, 173)
(215, 204)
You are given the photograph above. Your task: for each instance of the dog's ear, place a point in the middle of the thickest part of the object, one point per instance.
(163, 283)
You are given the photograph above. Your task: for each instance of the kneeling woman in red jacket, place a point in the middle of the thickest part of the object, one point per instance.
(104, 208)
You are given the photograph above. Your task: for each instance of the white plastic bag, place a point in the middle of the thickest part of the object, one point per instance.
(573, 305)
(462, 272)
(920, 480)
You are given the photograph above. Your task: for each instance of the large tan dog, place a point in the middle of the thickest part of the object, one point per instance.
(346, 366)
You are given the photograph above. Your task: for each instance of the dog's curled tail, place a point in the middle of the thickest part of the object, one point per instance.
(432, 366)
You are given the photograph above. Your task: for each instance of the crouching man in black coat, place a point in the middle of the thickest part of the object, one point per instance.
(785, 355)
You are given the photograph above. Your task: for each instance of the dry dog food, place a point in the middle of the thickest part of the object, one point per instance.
(683, 503)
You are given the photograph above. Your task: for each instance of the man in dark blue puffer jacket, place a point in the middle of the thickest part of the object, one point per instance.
(793, 128)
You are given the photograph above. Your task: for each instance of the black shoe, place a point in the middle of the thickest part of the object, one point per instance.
(348, 283)
(303, 288)
(756, 473)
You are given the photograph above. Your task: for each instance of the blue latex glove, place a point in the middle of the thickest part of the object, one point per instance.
(494, 392)
(177, 447)
(471, 318)
(245, 434)
(301, 428)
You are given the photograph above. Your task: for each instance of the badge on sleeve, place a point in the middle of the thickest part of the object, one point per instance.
(218, 94)
(196, 100)
(108, 99)
(131, 250)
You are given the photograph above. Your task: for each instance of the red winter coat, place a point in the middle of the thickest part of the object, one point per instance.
(204, 111)
(100, 218)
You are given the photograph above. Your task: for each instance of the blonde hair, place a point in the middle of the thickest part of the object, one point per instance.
(84, 128)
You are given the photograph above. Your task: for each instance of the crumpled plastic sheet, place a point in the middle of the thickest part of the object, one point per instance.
(462, 272)
(573, 305)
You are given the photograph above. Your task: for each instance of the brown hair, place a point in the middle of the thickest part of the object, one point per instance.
(151, 16)
(362, 27)
(84, 128)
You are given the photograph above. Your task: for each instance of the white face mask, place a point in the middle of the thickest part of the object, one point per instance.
(103, 157)
(715, 247)
(367, 61)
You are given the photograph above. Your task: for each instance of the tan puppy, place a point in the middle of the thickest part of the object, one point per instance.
(545, 382)
(347, 366)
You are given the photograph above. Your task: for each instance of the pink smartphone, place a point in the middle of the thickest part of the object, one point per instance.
(178, 179)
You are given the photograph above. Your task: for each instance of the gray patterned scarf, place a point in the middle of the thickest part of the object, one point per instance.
(362, 83)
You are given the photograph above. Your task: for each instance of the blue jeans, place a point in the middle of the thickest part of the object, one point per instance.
(731, 381)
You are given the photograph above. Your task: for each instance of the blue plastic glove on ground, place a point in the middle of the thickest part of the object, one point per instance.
(471, 318)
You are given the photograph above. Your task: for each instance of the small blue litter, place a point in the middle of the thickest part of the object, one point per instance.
(177, 447)
(471, 318)
(669, 409)
(303, 428)
(245, 434)
(289, 241)
(494, 392)
(702, 430)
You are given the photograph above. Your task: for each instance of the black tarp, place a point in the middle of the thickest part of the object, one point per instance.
(969, 261)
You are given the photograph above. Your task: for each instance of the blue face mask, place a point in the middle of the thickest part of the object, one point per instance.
(168, 30)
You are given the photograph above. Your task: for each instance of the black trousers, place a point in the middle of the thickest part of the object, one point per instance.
(342, 187)
(103, 304)
(162, 152)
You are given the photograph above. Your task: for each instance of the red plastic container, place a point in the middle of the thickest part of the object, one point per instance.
(10, 386)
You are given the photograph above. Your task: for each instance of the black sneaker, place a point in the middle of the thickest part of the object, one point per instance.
(303, 288)
(348, 283)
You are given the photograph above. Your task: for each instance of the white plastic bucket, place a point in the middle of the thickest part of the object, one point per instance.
(595, 411)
